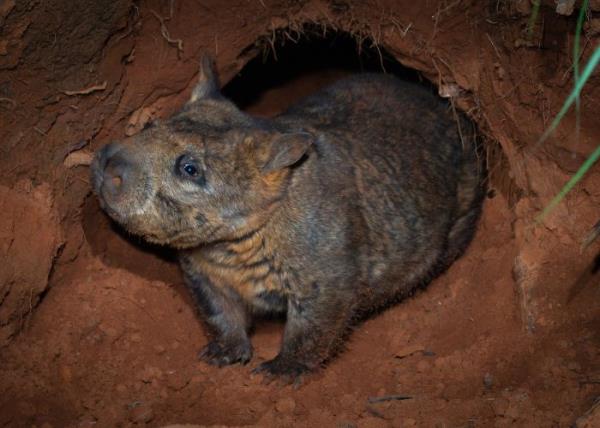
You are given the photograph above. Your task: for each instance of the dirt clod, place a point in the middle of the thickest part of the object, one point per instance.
(488, 380)
(141, 413)
(30, 238)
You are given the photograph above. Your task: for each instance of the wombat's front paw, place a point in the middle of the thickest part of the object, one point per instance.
(222, 353)
(282, 368)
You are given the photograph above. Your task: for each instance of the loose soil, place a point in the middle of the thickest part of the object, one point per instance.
(96, 327)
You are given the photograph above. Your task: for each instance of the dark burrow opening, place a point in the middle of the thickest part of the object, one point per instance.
(287, 71)
(274, 79)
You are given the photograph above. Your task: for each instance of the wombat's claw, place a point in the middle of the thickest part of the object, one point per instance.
(223, 354)
(284, 371)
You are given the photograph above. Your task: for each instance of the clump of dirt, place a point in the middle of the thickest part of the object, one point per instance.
(30, 240)
(508, 336)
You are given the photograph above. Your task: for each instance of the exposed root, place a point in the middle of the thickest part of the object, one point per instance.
(87, 91)
(494, 46)
(445, 9)
(78, 158)
(402, 30)
(164, 31)
(591, 237)
(294, 31)
(388, 398)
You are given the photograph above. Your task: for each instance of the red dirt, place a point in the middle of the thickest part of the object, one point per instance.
(509, 336)
(29, 217)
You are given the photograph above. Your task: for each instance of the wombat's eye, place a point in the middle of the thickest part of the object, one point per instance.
(188, 167)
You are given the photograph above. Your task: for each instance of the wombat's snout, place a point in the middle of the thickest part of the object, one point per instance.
(113, 173)
(116, 175)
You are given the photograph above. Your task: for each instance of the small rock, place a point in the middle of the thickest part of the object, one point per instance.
(285, 405)
(500, 405)
(159, 349)
(488, 380)
(136, 337)
(87, 422)
(141, 413)
(500, 73)
(565, 7)
(409, 350)
(449, 90)
(3, 47)
(177, 382)
(523, 7)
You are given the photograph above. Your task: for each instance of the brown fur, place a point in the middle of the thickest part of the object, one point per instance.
(346, 202)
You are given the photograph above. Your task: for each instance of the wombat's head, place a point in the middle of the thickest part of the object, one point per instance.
(209, 173)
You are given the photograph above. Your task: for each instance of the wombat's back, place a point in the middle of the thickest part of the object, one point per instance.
(417, 179)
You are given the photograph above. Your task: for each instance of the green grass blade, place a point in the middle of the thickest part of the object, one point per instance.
(533, 18)
(587, 71)
(576, 44)
(576, 49)
(579, 81)
(570, 184)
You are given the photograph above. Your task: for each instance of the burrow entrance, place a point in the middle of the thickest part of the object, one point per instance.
(288, 70)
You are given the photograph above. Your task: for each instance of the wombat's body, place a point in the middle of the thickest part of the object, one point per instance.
(346, 202)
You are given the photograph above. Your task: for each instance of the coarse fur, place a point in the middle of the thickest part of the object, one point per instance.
(347, 201)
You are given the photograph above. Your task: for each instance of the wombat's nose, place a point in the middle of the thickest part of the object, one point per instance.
(116, 174)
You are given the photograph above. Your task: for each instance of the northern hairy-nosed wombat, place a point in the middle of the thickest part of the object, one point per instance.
(345, 202)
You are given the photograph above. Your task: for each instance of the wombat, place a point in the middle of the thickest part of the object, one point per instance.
(344, 203)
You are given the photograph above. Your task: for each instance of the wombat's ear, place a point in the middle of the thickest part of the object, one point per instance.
(284, 150)
(208, 85)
